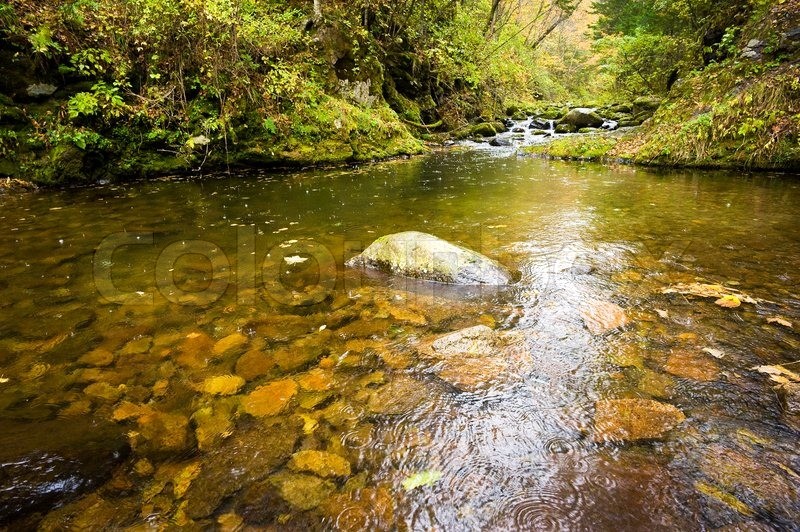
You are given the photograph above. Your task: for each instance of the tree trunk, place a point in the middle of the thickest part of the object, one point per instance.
(492, 15)
(317, 10)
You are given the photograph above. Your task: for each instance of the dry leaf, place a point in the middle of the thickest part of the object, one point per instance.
(716, 353)
(663, 313)
(716, 291)
(780, 321)
(780, 372)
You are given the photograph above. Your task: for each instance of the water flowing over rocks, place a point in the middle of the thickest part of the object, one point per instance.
(424, 256)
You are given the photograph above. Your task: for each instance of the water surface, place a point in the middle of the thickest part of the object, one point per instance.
(122, 346)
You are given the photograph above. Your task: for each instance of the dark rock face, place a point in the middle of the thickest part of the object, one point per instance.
(51, 462)
(538, 123)
(498, 142)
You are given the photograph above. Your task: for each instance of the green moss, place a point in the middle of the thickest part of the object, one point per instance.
(743, 117)
(585, 148)
(725, 498)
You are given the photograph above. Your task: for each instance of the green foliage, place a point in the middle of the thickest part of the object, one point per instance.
(9, 142)
(104, 99)
(42, 42)
(643, 63)
(83, 104)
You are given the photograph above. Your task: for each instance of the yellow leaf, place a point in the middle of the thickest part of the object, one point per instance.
(729, 301)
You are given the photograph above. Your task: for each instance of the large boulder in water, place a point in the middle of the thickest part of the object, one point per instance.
(581, 118)
(424, 256)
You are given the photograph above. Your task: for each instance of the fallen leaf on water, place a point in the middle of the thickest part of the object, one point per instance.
(780, 321)
(423, 478)
(716, 353)
(779, 374)
(716, 291)
(729, 301)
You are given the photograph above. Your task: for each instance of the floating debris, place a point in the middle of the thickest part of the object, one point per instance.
(423, 478)
(295, 259)
(779, 320)
(725, 295)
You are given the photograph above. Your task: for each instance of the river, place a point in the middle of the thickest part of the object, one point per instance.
(193, 352)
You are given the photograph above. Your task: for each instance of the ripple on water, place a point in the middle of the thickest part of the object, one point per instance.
(555, 506)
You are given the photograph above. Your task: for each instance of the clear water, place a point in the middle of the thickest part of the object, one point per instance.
(516, 454)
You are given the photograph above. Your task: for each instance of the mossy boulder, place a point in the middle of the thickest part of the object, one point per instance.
(562, 129)
(424, 256)
(582, 118)
(645, 104)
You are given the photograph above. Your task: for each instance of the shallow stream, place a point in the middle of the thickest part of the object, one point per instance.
(171, 350)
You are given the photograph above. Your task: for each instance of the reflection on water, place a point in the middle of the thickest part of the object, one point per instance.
(304, 396)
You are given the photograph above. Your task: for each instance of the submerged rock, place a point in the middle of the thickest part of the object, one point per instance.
(472, 374)
(222, 385)
(245, 458)
(692, 365)
(362, 509)
(401, 395)
(757, 483)
(427, 257)
(229, 344)
(161, 433)
(634, 419)
(320, 463)
(214, 423)
(791, 396)
(303, 492)
(601, 317)
(472, 359)
(51, 462)
(270, 399)
(253, 364)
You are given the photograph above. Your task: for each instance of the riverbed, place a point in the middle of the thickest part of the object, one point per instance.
(194, 353)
